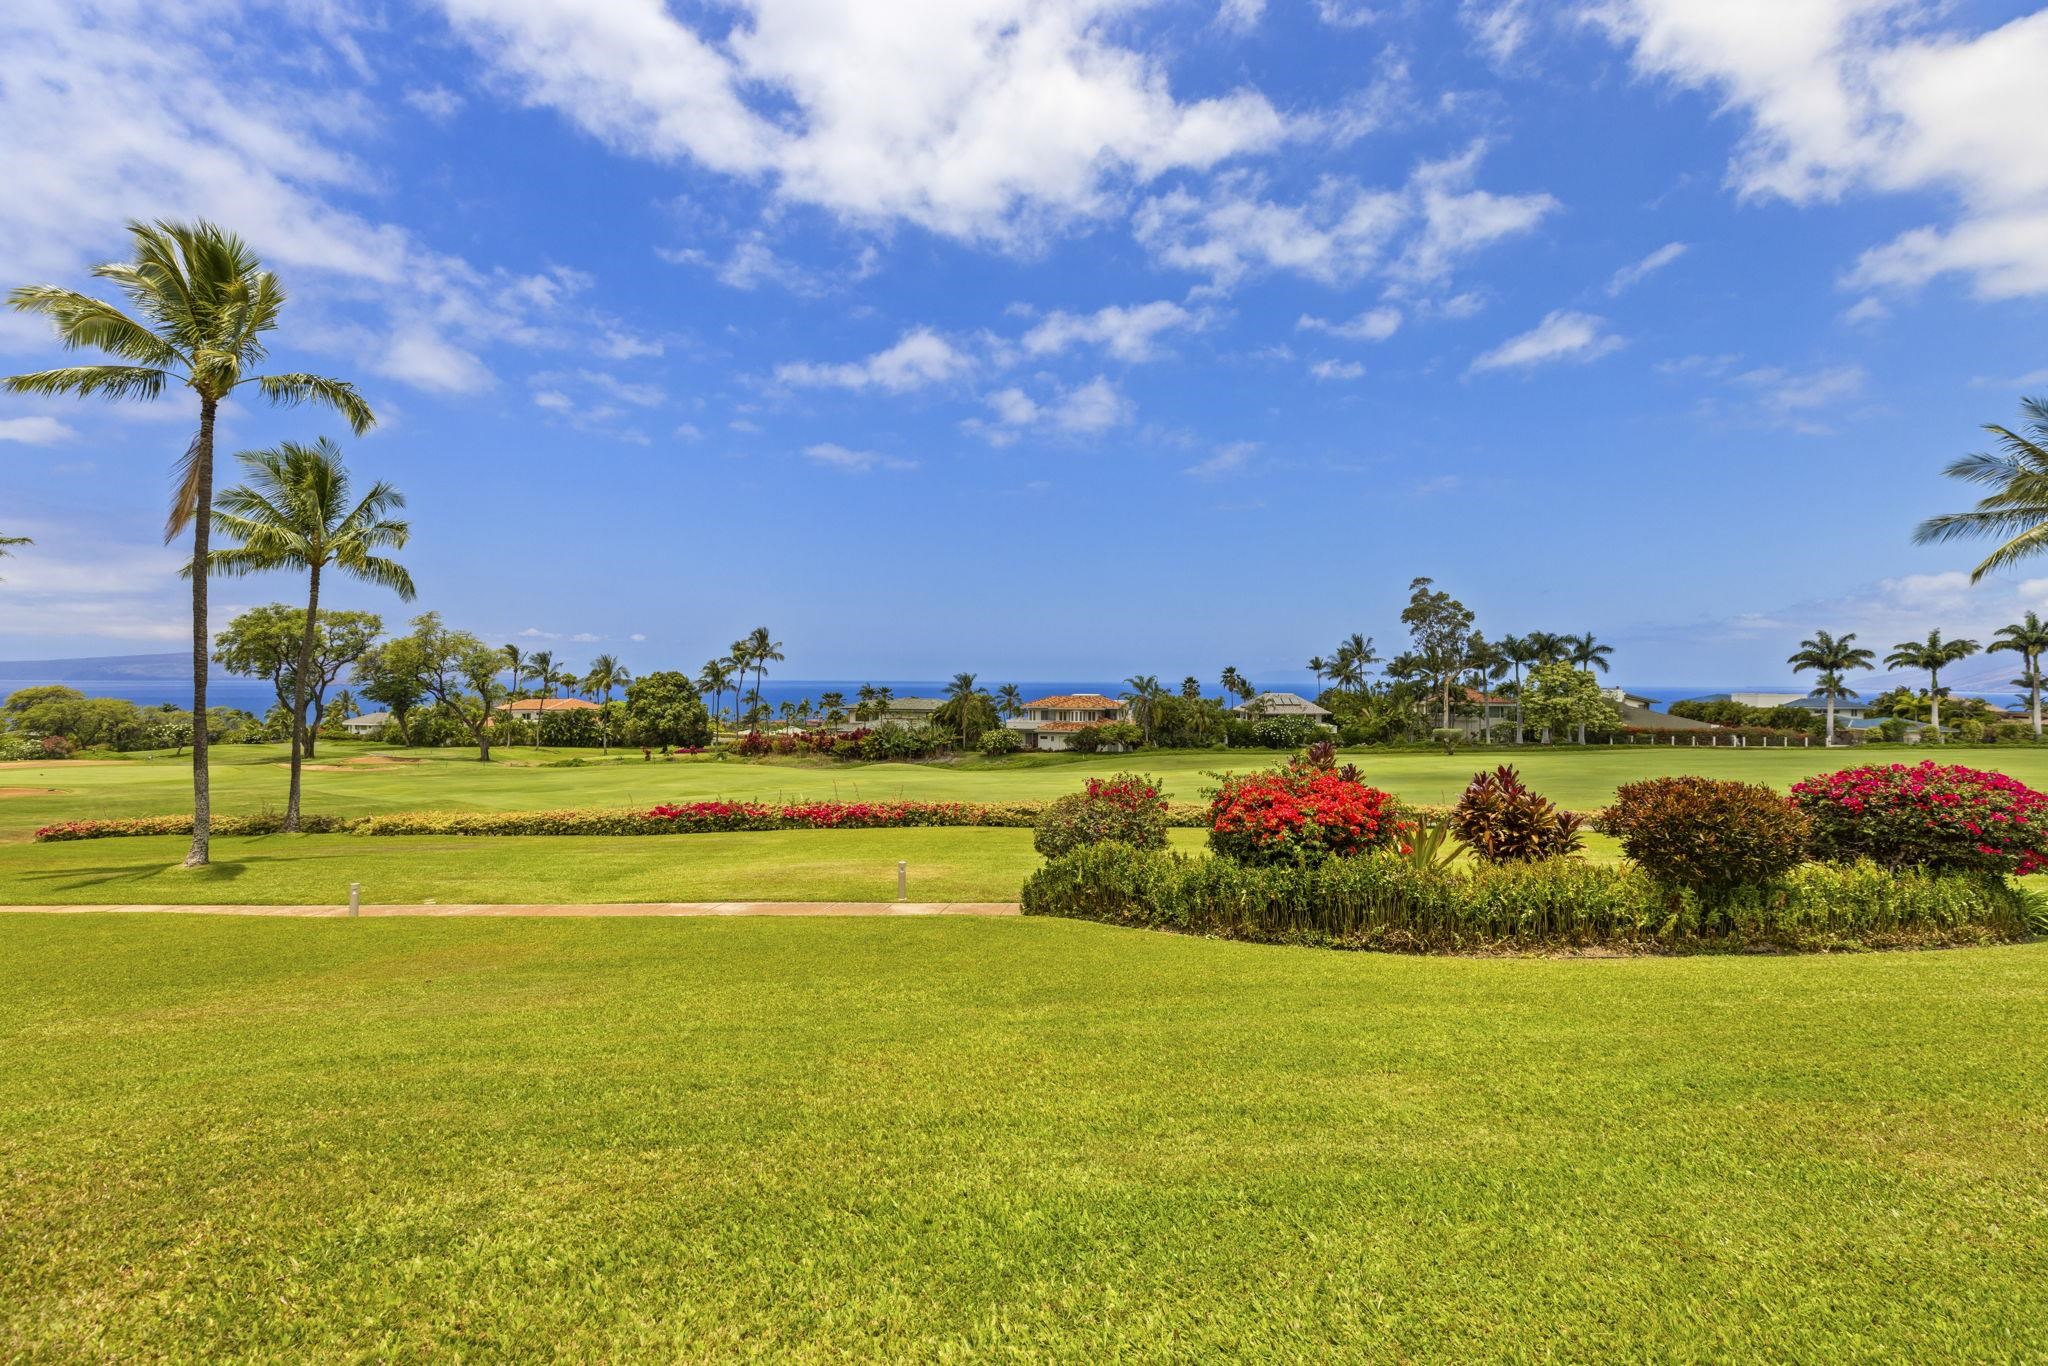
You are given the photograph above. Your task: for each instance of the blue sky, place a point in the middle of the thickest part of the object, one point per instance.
(1071, 339)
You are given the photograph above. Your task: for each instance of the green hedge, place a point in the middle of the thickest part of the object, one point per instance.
(1383, 902)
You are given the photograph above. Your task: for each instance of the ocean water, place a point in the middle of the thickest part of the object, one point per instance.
(249, 694)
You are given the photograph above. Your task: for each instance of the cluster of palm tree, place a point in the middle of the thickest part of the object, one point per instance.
(752, 653)
(1495, 661)
(202, 304)
(1832, 657)
(1347, 666)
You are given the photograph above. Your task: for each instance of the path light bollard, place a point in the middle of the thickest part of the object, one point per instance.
(903, 879)
(355, 898)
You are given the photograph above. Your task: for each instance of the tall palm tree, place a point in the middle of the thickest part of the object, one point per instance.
(2028, 638)
(761, 652)
(295, 513)
(714, 678)
(1931, 655)
(960, 692)
(1010, 700)
(606, 673)
(1354, 657)
(1830, 657)
(1141, 690)
(1318, 666)
(516, 657)
(1588, 654)
(7, 544)
(207, 302)
(1513, 654)
(542, 664)
(1237, 685)
(1547, 647)
(2016, 511)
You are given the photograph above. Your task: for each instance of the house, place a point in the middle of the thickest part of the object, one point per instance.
(1766, 700)
(1846, 708)
(907, 712)
(1282, 704)
(363, 727)
(1480, 715)
(1047, 722)
(527, 708)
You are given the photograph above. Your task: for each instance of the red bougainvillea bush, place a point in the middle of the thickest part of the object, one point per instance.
(1303, 813)
(1125, 807)
(1943, 817)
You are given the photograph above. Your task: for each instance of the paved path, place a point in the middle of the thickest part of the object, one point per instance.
(793, 908)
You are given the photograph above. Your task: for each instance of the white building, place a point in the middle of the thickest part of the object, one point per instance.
(1047, 722)
(362, 727)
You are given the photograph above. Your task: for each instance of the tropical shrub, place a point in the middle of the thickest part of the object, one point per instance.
(1383, 901)
(1297, 814)
(1503, 821)
(1273, 732)
(1110, 735)
(14, 748)
(263, 823)
(1707, 833)
(1000, 741)
(1125, 808)
(1944, 817)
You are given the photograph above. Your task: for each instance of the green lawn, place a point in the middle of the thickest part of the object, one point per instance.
(595, 1140)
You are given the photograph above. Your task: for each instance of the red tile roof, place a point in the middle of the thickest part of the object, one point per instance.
(533, 704)
(1082, 701)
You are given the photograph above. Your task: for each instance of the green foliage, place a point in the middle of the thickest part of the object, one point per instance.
(1000, 741)
(1559, 698)
(1125, 808)
(1708, 834)
(1503, 821)
(263, 642)
(1384, 901)
(663, 708)
(1107, 735)
(1273, 732)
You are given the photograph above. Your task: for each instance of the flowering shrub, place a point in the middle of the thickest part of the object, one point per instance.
(1504, 822)
(1940, 816)
(1126, 808)
(1706, 833)
(1298, 814)
(264, 823)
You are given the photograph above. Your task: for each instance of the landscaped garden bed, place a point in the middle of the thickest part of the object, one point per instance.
(1308, 854)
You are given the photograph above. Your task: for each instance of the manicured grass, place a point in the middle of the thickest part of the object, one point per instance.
(781, 865)
(607, 1140)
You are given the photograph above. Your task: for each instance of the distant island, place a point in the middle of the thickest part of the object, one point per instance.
(169, 667)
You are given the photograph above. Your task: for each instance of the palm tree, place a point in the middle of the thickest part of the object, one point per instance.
(1010, 700)
(606, 673)
(2027, 638)
(2016, 511)
(1318, 666)
(7, 544)
(1933, 655)
(960, 692)
(1237, 685)
(1353, 659)
(1830, 657)
(208, 302)
(542, 663)
(1588, 654)
(713, 679)
(1547, 647)
(1513, 652)
(1832, 687)
(1142, 689)
(516, 657)
(294, 513)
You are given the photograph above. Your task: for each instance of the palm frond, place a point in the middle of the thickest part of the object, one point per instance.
(293, 389)
(184, 491)
(87, 381)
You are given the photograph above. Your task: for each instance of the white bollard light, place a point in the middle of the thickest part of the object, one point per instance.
(902, 879)
(355, 898)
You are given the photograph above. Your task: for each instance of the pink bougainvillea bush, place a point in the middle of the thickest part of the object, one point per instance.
(1943, 817)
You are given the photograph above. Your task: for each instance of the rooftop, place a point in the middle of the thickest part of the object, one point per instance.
(546, 704)
(1282, 704)
(1076, 701)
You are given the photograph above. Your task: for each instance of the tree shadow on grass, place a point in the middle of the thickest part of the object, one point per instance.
(218, 873)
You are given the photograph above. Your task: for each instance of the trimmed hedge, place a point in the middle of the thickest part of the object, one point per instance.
(690, 818)
(1385, 902)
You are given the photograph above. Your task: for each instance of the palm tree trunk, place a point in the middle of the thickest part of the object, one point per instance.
(2034, 676)
(1831, 718)
(202, 538)
(291, 801)
(1934, 702)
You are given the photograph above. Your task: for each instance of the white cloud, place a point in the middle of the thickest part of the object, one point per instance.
(1561, 336)
(1788, 397)
(1086, 410)
(979, 120)
(1126, 333)
(70, 584)
(637, 637)
(1342, 231)
(1350, 13)
(1846, 95)
(1632, 275)
(2033, 379)
(1375, 324)
(1869, 309)
(1337, 369)
(920, 357)
(751, 263)
(1241, 15)
(1227, 459)
(1500, 27)
(35, 431)
(115, 110)
(838, 457)
(437, 102)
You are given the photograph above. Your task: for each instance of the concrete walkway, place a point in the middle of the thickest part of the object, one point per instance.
(681, 908)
